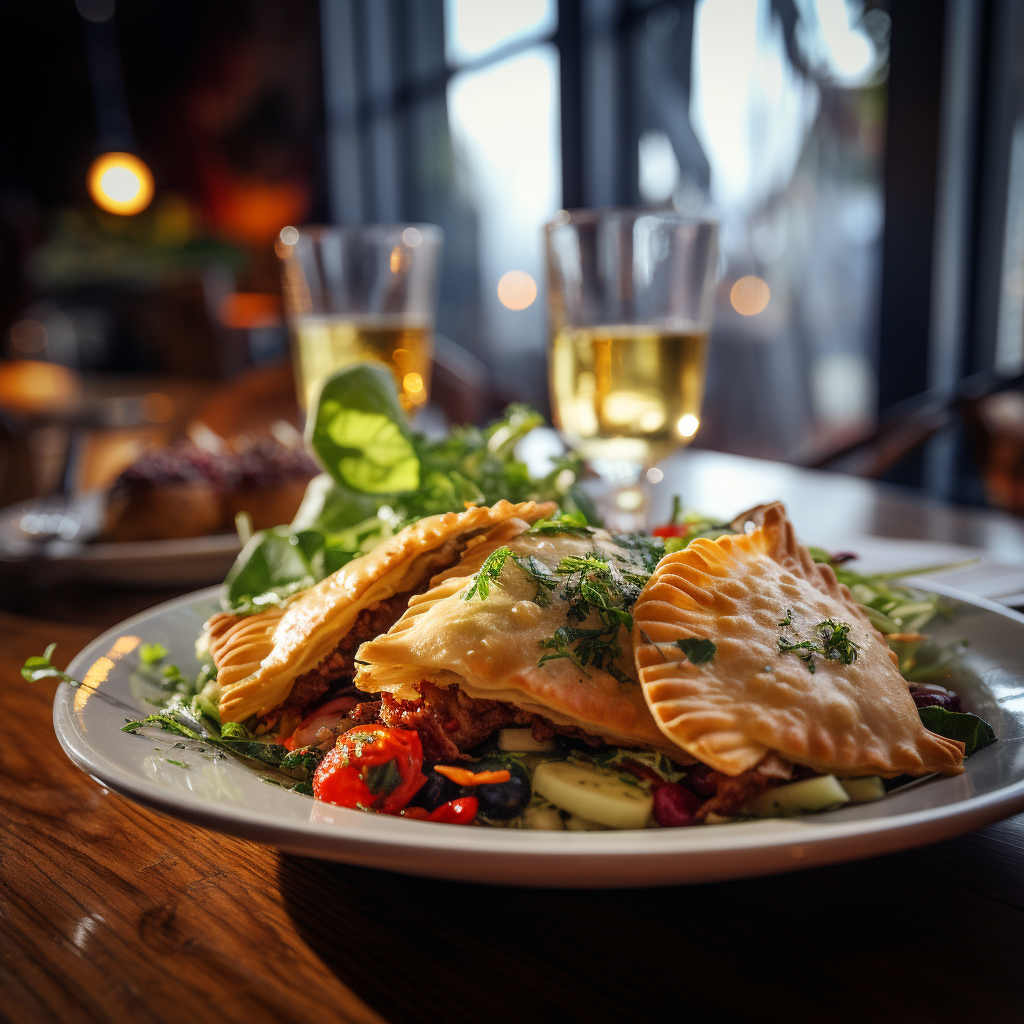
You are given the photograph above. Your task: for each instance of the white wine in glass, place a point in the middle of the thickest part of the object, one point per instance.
(630, 297)
(364, 293)
(628, 393)
(401, 342)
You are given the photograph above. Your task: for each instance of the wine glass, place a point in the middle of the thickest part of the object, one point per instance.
(630, 295)
(361, 293)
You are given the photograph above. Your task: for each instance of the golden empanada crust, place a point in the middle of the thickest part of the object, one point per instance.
(491, 648)
(749, 699)
(260, 656)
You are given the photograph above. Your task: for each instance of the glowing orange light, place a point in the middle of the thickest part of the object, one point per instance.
(157, 408)
(749, 295)
(120, 183)
(250, 309)
(412, 383)
(28, 336)
(517, 290)
(123, 645)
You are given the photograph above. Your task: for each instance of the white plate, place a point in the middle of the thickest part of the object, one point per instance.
(229, 796)
(189, 562)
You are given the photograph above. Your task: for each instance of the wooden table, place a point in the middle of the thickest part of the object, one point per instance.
(109, 912)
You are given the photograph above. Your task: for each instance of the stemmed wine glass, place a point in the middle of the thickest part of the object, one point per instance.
(631, 295)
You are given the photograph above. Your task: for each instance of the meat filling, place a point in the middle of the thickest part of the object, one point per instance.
(339, 665)
(727, 794)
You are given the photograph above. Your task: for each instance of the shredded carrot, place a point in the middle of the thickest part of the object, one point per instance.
(464, 777)
(906, 638)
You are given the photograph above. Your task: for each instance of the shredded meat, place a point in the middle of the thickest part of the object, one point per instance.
(370, 622)
(367, 713)
(448, 721)
(727, 794)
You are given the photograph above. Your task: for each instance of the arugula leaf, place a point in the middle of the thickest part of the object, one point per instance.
(972, 731)
(697, 649)
(360, 434)
(36, 668)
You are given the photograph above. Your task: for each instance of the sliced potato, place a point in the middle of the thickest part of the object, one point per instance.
(520, 740)
(593, 793)
(815, 794)
(863, 790)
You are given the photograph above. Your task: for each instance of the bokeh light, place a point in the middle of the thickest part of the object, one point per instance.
(517, 290)
(687, 425)
(749, 295)
(120, 183)
(28, 337)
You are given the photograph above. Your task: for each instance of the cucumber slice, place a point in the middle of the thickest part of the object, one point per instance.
(520, 740)
(594, 793)
(550, 818)
(863, 790)
(816, 794)
(544, 816)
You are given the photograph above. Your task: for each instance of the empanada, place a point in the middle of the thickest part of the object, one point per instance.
(490, 650)
(848, 717)
(260, 657)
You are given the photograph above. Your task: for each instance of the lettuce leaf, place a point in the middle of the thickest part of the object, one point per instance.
(360, 433)
(380, 476)
(972, 731)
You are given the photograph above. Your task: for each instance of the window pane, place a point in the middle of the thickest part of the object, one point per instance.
(795, 148)
(473, 28)
(504, 126)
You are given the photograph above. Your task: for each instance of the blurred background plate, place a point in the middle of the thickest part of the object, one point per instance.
(187, 562)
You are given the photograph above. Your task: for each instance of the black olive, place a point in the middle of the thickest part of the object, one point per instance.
(504, 800)
(436, 790)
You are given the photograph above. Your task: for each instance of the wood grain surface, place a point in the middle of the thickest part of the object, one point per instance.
(109, 912)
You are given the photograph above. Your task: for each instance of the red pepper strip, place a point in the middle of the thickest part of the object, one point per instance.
(418, 813)
(671, 530)
(461, 811)
(641, 771)
(464, 777)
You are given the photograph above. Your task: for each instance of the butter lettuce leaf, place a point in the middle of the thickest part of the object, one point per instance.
(380, 477)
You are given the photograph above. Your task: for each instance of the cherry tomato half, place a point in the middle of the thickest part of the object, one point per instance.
(373, 768)
(671, 530)
(460, 811)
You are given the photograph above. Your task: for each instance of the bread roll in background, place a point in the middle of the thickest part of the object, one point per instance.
(189, 491)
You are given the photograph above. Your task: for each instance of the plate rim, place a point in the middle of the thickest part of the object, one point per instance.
(809, 841)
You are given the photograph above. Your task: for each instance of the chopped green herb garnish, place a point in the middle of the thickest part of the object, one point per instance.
(37, 668)
(788, 620)
(488, 574)
(697, 649)
(832, 641)
(150, 654)
(382, 778)
(180, 764)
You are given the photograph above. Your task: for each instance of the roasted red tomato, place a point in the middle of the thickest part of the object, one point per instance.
(373, 768)
(671, 530)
